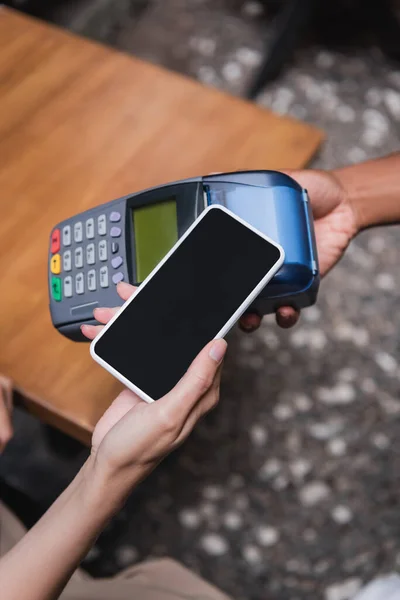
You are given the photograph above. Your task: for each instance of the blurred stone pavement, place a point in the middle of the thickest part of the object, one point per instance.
(290, 489)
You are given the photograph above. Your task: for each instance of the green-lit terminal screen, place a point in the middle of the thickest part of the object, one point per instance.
(156, 231)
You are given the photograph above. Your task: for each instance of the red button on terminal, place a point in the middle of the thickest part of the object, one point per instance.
(55, 241)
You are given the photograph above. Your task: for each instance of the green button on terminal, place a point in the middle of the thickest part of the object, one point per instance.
(56, 288)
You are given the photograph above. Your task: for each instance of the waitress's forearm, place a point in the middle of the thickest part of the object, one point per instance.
(373, 189)
(40, 565)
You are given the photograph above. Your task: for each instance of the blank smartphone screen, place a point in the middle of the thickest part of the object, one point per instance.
(186, 303)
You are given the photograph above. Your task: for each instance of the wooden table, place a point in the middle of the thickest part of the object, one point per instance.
(81, 124)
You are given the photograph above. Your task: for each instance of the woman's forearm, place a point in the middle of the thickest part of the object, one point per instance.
(373, 189)
(40, 565)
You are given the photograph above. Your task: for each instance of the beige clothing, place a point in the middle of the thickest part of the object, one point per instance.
(162, 579)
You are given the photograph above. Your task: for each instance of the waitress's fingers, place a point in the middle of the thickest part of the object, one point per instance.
(249, 322)
(287, 316)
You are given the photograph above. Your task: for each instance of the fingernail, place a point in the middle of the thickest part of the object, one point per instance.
(217, 350)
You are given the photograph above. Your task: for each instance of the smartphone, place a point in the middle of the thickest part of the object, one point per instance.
(195, 294)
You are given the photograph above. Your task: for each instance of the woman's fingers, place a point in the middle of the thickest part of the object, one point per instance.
(175, 408)
(91, 331)
(142, 434)
(125, 290)
(208, 402)
(103, 315)
(123, 403)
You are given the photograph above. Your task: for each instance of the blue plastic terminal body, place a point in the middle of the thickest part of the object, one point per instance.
(270, 201)
(277, 206)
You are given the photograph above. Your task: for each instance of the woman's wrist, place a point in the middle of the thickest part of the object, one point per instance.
(105, 488)
(101, 491)
(62, 537)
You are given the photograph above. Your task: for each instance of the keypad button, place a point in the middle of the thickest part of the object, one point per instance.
(79, 283)
(68, 286)
(56, 288)
(55, 264)
(115, 232)
(103, 250)
(55, 241)
(66, 235)
(104, 277)
(89, 226)
(90, 254)
(78, 232)
(102, 225)
(116, 262)
(114, 247)
(79, 257)
(67, 260)
(115, 217)
(118, 277)
(91, 280)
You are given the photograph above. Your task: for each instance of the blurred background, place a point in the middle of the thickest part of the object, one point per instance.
(298, 493)
(334, 64)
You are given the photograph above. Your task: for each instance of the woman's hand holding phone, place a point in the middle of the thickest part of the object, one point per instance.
(130, 440)
(132, 437)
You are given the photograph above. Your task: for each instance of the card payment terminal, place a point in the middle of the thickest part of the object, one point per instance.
(123, 240)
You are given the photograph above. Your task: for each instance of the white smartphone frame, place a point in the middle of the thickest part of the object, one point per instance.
(228, 325)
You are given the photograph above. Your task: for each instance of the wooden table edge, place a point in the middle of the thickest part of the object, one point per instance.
(60, 419)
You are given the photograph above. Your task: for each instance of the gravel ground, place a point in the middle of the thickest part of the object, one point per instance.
(289, 490)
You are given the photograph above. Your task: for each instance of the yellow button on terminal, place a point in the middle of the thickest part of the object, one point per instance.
(55, 264)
